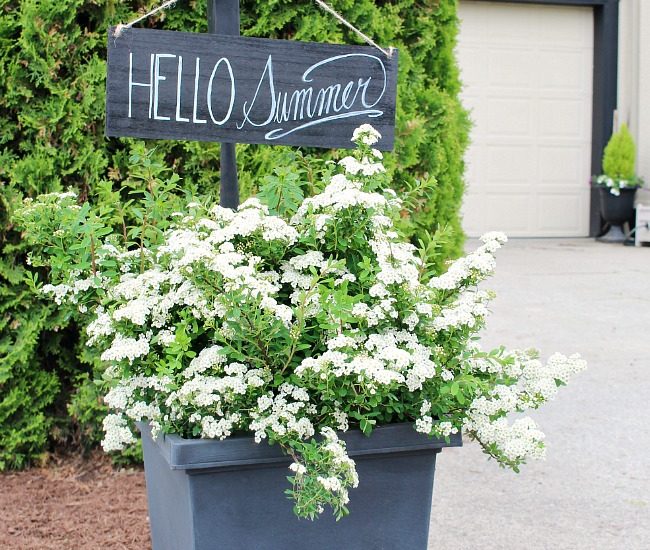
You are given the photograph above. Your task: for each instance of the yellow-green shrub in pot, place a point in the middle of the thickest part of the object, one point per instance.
(618, 184)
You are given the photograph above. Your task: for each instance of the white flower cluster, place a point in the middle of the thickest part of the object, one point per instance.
(69, 293)
(101, 326)
(124, 347)
(468, 309)
(616, 184)
(297, 468)
(384, 359)
(472, 268)
(343, 464)
(486, 418)
(212, 428)
(332, 484)
(206, 359)
(282, 414)
(426, 424)
(218, 394)
(367, 166)
(117, 433)
(340, 194)
(130, 396)
(517, 442)
(365, 134)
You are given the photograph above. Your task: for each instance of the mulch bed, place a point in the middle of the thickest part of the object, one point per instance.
(74, 504)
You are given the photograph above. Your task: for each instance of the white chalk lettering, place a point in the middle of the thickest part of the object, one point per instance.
(179, 81)
(346, 94)
(157, 78)
(279, 107)
(335, 101)
(232, 91)
(268, 75)
(143, 84)
(299, 103)
(197, 73)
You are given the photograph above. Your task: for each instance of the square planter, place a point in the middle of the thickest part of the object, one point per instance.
(229, 495)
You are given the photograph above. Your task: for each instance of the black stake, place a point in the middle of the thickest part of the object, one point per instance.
(223, 18)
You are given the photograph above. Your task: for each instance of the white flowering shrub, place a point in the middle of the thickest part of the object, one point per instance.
(293, 329)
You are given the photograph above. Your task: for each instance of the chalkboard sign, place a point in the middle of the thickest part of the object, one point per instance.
(176, 85)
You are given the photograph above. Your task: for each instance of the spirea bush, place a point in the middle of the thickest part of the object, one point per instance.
(52, 97)
(292, 328)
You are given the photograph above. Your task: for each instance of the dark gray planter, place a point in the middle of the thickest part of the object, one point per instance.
(615, 211)
(229, 495)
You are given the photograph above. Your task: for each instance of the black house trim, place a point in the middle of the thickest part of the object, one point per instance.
(604, 84)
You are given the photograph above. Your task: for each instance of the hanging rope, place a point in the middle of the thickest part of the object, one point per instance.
(388, 53)
(121, 27)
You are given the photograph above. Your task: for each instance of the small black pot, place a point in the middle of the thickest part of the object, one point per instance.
(229, 495)
(616, 210)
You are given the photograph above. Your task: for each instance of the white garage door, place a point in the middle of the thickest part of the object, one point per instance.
(527, 72)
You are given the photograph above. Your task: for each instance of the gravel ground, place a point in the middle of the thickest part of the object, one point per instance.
(593, 490)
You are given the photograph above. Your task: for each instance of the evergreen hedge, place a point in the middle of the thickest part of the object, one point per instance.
(52, 87)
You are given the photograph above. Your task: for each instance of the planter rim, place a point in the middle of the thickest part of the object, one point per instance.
(195, 454)
(605, 189)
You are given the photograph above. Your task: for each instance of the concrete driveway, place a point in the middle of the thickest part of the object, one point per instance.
(593, 490)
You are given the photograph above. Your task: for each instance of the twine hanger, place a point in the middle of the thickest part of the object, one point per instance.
(387, 52)
(121, 27)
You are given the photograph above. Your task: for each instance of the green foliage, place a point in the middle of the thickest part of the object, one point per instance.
(52, 92)
(27, 381)
(619, 155)
(282, 191)
(46, 373)
(86, 410)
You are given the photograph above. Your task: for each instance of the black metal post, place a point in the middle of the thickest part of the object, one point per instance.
(223, 18)
(605, 96)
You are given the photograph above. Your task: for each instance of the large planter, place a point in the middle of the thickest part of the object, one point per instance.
(213, 495)
(616, 210)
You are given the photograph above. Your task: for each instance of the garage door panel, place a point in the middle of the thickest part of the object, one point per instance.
(473, 167)
(475, 26)
(562, 70)
(513, 34)
(509, 164)
(570, 26)
(510, 68)
(484, 216)
(508, 208)
(517, 31)
(511, 117)
(560, 165)
(528, 85)
(475, 107)
(555, 210)
(473, 221)
(474, 63)
(561, 118)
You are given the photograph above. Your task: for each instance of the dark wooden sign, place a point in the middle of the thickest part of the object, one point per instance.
(188, 86)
